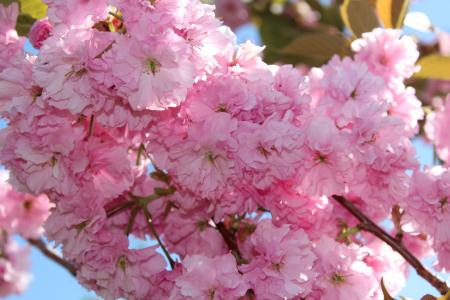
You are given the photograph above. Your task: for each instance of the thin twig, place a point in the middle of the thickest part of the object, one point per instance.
(369, 226)
(148, 217)
(41, 246)
(119, 208)
(91, 126)
(134, 213)
(109, 47)
(136, 200)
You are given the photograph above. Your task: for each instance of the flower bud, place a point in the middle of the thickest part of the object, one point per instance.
(39, 32)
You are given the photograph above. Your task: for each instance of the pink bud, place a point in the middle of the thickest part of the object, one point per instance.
(39, 32)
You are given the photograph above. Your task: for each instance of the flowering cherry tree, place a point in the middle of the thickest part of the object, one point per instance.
(253, 180)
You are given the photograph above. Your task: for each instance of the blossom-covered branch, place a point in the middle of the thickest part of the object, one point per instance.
(125, 84)
(368, 225)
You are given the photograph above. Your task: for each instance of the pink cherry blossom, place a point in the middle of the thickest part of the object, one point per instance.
(343, 274)
(14, 276)
(62, 12)
(388, 265)
(206, 278)
(233, 12)
(281, 262)
(387, 53)
(21, 213)
(11, 45)
(436, 130)
(154, 73)
(427, 209)
(8, 18)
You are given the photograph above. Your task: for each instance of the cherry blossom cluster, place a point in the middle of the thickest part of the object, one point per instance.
(20, 214)
(427, 211)
(436, 128)
(243, 156)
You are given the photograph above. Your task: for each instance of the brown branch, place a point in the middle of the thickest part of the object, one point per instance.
(369, 226)
(119, 208)
(149, 220)
(105, 50)
(230, 240)
(40, 244)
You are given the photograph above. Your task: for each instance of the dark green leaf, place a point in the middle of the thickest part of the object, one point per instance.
(24, 23)
(276, 33)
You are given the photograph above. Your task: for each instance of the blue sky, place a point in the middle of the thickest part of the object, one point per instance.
(51, 282)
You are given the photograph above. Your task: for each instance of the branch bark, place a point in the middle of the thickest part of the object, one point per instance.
(369, 226)
(41, 246)
(230, 240)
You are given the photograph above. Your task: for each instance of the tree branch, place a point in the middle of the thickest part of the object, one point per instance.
(40, 244)
(369, 226)
(230, 240)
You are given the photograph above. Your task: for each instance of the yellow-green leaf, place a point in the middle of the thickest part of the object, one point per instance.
(434, 67)
(319, 45)
(359, 16)
(392, 12)
(34, 8)
(386, 295)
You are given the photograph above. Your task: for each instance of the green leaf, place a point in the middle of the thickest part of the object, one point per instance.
(359, 16)
(276, 33)
(392, 12)
(348, 232)
(434, 67)
(319, 45)
(386, 295)
(24, 23)
(35, 8)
